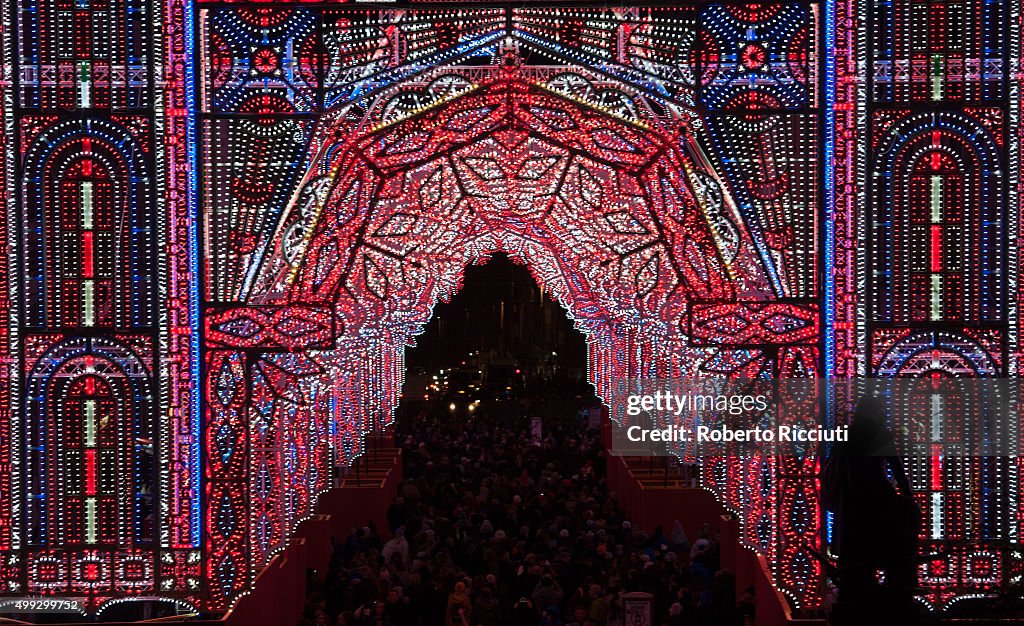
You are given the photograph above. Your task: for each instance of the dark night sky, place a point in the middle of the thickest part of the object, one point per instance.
(499, 310)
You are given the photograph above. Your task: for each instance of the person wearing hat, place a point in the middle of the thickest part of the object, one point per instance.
(459, 607)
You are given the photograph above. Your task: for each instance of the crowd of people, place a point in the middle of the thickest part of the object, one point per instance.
(491, 528)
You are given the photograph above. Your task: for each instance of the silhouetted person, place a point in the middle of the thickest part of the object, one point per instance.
(876, 520)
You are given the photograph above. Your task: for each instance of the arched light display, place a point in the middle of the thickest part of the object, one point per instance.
(91, 466)
(575, 141)
(296, 186)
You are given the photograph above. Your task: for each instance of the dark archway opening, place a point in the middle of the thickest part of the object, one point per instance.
(501, 313)
(499, 342)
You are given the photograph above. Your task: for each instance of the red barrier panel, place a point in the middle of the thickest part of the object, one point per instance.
(317, 534)
(770, 605)
(649, 506)
(279, 591)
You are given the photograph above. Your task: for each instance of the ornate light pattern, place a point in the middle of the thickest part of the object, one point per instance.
(98, 446)
(91, 465)
(701, 191)
(589, 144)
(921, 283)
(939, 211)
(87, 199)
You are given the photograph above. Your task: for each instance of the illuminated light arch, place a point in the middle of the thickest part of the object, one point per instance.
(386, 222)
(310, 272)
(618, 220)
(943, 487)
(91, 454)
(938, 214)
(87, 191)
